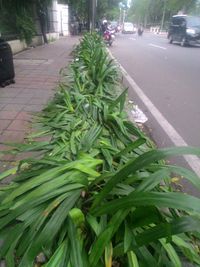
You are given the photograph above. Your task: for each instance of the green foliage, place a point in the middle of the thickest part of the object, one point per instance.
(97, 194)
(26, 27)
(7, 22)
(80, 8)
(105, 8)
(21, 22)
(151, 11)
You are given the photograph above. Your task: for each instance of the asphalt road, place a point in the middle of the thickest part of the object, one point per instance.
(169, 76)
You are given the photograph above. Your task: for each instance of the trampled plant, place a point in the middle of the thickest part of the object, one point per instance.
(98, 193)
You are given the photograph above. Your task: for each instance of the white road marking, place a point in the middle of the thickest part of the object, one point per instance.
(193, 161)
(133, 39)
(157, 46)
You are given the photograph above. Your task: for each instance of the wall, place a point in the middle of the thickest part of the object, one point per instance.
(59, 18)
(17, 46)
(63, 19)
(58, 15)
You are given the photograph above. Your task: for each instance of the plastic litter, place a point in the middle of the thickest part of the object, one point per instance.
(138, 115)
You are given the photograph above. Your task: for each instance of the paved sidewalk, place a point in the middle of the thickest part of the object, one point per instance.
(37, 74)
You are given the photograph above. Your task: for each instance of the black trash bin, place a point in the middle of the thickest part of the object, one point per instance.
(7, 73)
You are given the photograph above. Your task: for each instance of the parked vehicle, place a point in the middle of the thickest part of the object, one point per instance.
(109, 36)
(7, 73)
(184, 30)
(128, 27)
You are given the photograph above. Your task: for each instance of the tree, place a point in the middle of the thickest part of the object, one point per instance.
(41, 8)
(79, 7)
(151, 11)
(109, 9)
(105, 8)
(21, 20)
(184, 5)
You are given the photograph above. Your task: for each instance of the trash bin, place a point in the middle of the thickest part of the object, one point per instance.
(7, 73)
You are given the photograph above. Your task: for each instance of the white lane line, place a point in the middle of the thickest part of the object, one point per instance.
(157, 46)
(193, 161)
(131, 38)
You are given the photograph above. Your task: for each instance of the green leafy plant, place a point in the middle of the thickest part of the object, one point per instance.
(26, 27)
(20, 23)
(98, 193)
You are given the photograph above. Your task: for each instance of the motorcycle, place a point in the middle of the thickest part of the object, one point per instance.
(109, 36)
(140, 31)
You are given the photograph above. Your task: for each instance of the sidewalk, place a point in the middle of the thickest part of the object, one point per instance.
(36, 76)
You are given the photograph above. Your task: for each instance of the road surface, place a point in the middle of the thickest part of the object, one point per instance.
(168, 76)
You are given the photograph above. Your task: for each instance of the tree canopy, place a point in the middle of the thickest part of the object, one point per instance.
(151, 11)
(22, 20)
(105, 8)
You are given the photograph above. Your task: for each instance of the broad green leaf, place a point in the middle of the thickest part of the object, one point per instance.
(10, 239)
(97, 250)
(120, 99)
(75, 243)
(60, 257)
(146, 258)
(36, 196)
(162, 200)
(139, 163)
(91, 136)
(176, 226)
(105, 237)
(108, 255)
(132, 259)
(73, 143)
(51, 229)
(153, 180)
(7, 173)
(67, 99)
(188, 174)
(10, 256)
(174, 258)
(128, 237)
(93, 224)
(131, 147)
(44, 177)
(85, 169)
(188, 249)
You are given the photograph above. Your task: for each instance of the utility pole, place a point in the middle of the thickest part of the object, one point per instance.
(163, 16)
(124, 15)
(92, 14)
(120, 16)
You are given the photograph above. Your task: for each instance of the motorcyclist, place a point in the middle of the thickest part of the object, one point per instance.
(104, 26)
(107, 33)
(140, 30)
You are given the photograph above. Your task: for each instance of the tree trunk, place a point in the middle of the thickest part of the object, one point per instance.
(41, 12)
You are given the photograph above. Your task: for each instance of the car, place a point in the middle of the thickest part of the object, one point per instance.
(128, 27)
(184, 29)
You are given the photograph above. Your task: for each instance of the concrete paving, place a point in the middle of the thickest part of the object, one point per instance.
(36, 75)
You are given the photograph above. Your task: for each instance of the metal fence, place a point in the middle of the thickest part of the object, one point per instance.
(9, 36)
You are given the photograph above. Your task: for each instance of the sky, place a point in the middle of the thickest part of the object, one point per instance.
(129, 3)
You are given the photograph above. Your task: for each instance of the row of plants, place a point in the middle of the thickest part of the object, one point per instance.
(97, 193)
